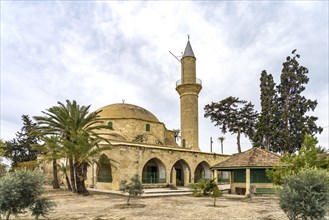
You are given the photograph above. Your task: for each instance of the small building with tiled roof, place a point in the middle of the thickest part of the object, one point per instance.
(248, 170)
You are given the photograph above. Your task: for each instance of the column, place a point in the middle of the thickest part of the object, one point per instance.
(186, 177)
(247, 182)
(173, 176)
(215, 176)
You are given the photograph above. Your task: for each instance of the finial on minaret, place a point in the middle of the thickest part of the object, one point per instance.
(188, 49)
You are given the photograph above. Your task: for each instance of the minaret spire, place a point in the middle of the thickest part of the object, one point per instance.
(189, 88)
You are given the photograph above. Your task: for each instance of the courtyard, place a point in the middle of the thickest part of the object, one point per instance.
(108, 206)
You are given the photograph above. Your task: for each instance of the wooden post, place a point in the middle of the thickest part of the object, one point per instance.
(215, 176)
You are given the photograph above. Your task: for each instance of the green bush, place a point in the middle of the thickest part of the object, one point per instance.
(305, 195)
(21, 191)
(203, 187)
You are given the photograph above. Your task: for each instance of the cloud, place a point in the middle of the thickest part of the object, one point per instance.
(101, 52)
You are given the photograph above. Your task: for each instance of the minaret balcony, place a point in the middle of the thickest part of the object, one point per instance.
(197, 81)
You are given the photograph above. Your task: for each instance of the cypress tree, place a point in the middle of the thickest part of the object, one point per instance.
(20, 148)
(293, 106)
(266, 126)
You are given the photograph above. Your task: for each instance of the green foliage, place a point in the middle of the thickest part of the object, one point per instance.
(51, 150)
(308, 156)
(285, 117)
(134, 188)
(2, 147)
(20, 191)
(20, 148)
(203, 187)
(77, 130)
(3, 168)
(306, 195)
(42, 207)
(233, 115)
(294, 122)
(265, 127)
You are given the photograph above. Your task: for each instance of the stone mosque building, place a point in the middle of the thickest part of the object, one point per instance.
(141, 144)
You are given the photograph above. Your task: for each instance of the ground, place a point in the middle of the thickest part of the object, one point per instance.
(108, 206)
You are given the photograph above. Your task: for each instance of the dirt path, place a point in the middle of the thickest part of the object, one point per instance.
(107, 206)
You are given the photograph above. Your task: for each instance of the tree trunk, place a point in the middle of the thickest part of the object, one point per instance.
(71, 165)
(238, 140)
(56, 183)
(80, 177)
(221, 144)
(68, 182)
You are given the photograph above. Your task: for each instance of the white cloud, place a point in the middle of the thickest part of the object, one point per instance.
(99, 53)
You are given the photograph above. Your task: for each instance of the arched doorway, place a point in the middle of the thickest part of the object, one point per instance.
(104, 173)
(202, 171)
(183, 173)
(154, 172)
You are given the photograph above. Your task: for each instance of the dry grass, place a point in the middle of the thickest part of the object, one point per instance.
(106, 206)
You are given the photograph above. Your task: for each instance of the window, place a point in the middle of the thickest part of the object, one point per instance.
(259, 176)
(148, 127)
(110, 125)
(104, 172)
(184, 143)
(239, 176)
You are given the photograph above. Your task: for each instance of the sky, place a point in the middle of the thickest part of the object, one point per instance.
(101, 52)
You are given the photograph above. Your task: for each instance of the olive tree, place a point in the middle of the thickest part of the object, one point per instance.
(305, 195)
(21, 191)
(134, 188)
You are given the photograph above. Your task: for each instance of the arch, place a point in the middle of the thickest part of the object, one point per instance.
(183, 173)
(202, 171)
(104, 171)
(154, 171)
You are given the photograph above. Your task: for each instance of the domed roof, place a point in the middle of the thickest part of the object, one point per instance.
(121, 110)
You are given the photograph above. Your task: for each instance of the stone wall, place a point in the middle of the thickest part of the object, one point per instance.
(130, 159)
(130, 128)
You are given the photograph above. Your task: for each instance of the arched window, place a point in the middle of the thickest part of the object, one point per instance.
(148, 127)
(104, 170)
(110, 125)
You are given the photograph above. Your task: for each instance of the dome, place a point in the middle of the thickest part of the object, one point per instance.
(122, 110)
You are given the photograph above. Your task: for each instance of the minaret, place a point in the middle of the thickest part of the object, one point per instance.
(189, 88)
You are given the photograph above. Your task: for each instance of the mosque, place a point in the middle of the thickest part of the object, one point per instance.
(141, 144)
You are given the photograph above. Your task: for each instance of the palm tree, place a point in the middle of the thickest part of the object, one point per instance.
(76, 127)
(63, 169)
(87, 150)
(51, 151)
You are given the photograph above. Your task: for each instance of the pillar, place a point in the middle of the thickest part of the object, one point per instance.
(247, 182)
(173, 176)
(186, 177)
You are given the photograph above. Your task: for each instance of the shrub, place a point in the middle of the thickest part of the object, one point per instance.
(20, 191)
(215, 193)
(305, 195)
(203, 187)
(134, 188)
